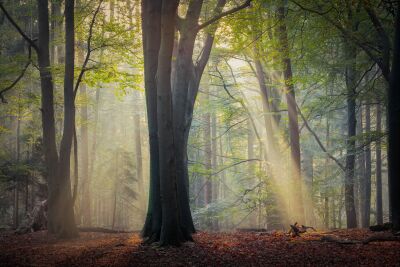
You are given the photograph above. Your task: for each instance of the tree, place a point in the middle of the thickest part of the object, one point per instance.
(169, 230)
(292, 113)
(184, 91)
(61, 219)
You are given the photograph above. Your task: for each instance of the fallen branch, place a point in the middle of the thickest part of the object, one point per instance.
(296, 230)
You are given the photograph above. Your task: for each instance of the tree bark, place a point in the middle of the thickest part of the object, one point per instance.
(47, 108)
(67, 227)
(171, 232)
(151, 30)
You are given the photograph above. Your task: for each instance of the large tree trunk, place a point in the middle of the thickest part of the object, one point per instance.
(61, 219)
(184, 76)
(378, 170)
(294, 135)
(394, 128)
(67, 227)
(171, 232)
(351, 54)
(47, 108)
(164, 221)
(151, 29)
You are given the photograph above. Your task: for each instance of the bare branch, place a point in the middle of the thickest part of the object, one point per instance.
(382, 34)
(319, 141)
(321, 13)
(89, 49)
(350, 36)
(224, 14)
(20, 76)
(21, 32)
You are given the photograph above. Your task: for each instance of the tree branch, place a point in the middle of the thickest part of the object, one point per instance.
(89, 49)
(21, 32)
(223, 14)
(20, 76)
(350, 36)
(319, 141)
(382, 34)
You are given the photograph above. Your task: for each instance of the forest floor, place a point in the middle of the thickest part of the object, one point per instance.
(209, 249)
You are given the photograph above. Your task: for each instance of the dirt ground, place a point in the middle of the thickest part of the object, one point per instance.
(209, 249)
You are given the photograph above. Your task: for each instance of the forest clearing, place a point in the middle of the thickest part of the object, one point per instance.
(209, 249)
(199, 132)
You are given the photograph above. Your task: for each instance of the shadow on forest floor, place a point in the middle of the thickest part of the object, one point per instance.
(216, 249)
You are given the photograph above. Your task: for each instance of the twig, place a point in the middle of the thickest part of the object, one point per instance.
(3, 100)
(89, 49)
(223, 14)
(21, 32)
(319, 141)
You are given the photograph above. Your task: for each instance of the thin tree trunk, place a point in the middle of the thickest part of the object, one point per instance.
(57, 55)
(367, 180)
(84, 148)
(115, 191)
(351, 132)
(359, 178)
(207, 157)
(378, 153)
(16, 204)
(214, 164)
(294, 134)
(138, 153)
(326, 196)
